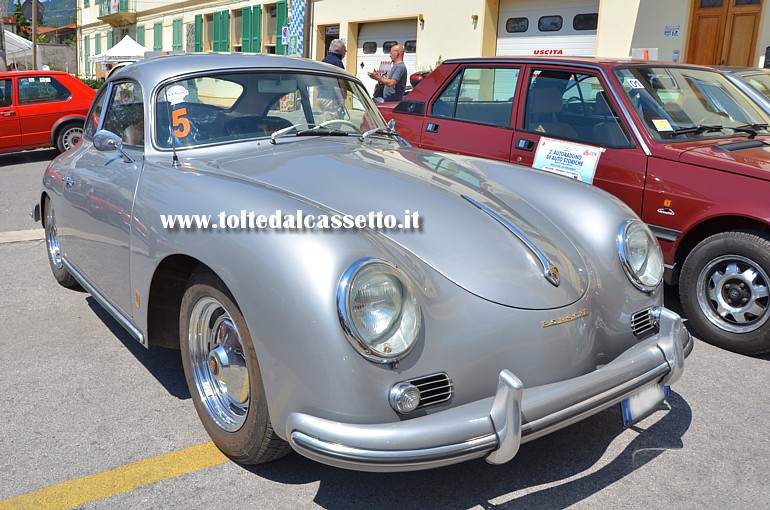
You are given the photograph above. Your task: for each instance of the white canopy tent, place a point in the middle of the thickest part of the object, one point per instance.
(126, 50)
(19, 51)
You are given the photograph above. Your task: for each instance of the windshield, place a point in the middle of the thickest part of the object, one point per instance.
(216, 108)
(683, 104)
(760, 81)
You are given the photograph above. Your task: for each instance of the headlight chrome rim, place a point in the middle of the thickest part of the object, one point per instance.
(347, 321)
(625, 257)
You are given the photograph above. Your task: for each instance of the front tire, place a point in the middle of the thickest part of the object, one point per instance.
(724, 291)
(54, 249)
(69, 136)
(223, 374)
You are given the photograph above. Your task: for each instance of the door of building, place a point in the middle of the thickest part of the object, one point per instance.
(724, 32)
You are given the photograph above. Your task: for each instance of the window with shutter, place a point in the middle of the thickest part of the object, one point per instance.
(157, 36)
(246, 29)
(176, 34)
(281, 18)
(256, 29)
(217, 32)
(199, 32)
(140, 34)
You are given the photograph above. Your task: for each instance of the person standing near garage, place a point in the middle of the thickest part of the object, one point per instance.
(337, 51)
(395, 80)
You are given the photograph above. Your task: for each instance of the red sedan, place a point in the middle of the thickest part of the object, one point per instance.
(681, 145)
(42, 109)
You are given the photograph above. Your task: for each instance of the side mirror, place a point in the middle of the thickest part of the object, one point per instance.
(392, 124)
(107, 141)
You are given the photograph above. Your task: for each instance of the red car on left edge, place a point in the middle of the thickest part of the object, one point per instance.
(42, 109)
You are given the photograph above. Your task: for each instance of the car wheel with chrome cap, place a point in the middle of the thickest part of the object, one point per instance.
(222, 372)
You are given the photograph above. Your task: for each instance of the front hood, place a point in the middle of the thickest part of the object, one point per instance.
(456, 238)
(738, 156)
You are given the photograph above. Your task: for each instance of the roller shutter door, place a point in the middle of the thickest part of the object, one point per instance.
(370, 54)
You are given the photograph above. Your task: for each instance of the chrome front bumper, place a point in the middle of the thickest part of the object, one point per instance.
(493, 427)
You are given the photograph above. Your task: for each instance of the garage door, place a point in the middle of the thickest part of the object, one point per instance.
(535, 27)
(374, 43)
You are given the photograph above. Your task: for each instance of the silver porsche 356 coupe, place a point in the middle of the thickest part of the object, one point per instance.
(336, 291)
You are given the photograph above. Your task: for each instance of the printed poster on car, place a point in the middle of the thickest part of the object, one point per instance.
(573, 160)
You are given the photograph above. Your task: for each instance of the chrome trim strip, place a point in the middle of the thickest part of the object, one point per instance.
(104, 303)
(667, 234)
(392, 457)
(548, 272)
(581, 410)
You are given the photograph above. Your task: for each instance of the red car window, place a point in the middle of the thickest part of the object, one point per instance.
(41, 89)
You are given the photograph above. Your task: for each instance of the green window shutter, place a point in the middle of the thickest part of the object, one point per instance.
(256, 29)
(110, 39)
(176, 42)
(281, 17)
(97, 44)
(140, 35)
(215, 43)
(199, 32)
(157, 36)
(87, 47)
(246, 29)
(86, 3)
(225, 30)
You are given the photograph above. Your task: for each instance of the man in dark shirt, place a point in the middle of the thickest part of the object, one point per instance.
(395, 81)
(337, 51)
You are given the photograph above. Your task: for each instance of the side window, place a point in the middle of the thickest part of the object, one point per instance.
(370, 48)
(481, 95)
(125, 113)
(95, 115)
(387, 45)
(41, 89)
(573, 106)
(6, 97)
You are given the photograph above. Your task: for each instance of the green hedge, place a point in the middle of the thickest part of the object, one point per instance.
(94, 84)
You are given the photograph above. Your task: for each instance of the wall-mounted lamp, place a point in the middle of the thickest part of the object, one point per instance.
(421, 19)
(474, 19)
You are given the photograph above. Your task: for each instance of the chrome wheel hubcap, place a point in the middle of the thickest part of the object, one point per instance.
(733, 294)
(219, 364)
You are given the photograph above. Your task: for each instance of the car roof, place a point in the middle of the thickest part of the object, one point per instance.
(8, 74)
(570, 60)
(156, 70)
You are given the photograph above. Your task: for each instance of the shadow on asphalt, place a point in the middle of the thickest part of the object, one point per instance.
(36, 156)
(559, 456)
(164, 364)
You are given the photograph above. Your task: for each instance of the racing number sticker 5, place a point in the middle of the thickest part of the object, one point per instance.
(180, 122)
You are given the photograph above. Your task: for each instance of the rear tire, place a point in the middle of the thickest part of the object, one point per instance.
(223, 374)
(724, 287)
(68, 136)
(54, 249)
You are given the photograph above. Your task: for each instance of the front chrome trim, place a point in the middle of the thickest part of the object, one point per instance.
(105, 303)
(550, 272)
(506, 417)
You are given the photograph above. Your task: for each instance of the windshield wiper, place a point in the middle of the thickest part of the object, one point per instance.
(278, 134)
(751, 129)
(378, 130)
(322, 131)
(696, 129)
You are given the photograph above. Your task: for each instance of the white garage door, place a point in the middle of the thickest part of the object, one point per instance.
(537, 27)
(374, 43)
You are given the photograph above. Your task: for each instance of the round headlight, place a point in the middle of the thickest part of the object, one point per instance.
(378, 309)
(640, 255)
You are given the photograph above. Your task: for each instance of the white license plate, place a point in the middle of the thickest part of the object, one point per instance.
(640, 404)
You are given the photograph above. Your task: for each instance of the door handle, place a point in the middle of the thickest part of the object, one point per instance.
(431, 127)
(8, 113)
(525, 144)
(68, 182)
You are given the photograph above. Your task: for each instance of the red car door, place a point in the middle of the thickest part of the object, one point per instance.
(472, 114)
(10, 131)
(569, 122)
(42, 100)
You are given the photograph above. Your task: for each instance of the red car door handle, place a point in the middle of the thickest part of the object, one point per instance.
(8, 113)
(432, 127)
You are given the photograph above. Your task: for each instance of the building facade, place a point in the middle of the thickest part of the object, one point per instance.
(730, 32)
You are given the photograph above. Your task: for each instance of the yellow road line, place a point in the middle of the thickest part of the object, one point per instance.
(119, 480)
